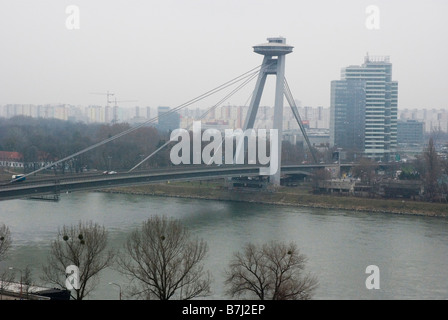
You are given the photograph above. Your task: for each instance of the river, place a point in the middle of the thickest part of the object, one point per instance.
(411, 252)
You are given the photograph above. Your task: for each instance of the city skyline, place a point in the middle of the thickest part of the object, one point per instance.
(317, 117)
(166, 52)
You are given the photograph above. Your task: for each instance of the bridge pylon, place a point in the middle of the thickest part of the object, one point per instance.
(274, 52)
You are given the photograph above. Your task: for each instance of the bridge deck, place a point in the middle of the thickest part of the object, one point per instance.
(36, 186)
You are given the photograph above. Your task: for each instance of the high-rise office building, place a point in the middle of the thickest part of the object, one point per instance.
(381, 102)
(347, 114)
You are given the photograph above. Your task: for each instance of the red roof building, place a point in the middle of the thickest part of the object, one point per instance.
(11, 159)
(11, 156)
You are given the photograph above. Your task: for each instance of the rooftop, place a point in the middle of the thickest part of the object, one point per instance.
(385, 59)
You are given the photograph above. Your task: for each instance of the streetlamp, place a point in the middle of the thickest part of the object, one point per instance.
(339, 161)
(109, 164)
(119, 287)
(11, 268)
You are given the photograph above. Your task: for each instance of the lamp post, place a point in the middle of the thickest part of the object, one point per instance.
(11, 268)
(119, 287)
(338, 151)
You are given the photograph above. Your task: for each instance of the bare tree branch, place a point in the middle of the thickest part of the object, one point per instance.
(163, 262)
(83, 245)
(5, 241)
(271, 271)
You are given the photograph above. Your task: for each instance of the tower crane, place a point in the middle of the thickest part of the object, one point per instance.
(110, 101)
(115, 111)
(107, 94)
(116, 101)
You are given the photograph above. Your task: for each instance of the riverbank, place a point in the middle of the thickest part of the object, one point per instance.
(289, 196)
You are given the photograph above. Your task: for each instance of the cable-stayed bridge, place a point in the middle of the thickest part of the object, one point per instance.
(54, 185)
(273, 53)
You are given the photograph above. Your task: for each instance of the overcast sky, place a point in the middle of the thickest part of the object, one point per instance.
(169, 51)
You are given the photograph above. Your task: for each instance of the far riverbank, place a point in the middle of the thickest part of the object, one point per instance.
(288, 196)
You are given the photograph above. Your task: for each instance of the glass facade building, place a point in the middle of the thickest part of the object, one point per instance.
(347, 114)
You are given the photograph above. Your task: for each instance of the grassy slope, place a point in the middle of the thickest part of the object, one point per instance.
(295, 196)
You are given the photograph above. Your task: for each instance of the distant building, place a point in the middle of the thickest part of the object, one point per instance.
(11, 159)
(433, 119)
(381, 98)
(317, 137)
(167, 120)
(219, 125)
(95, 114)
(108, 114)
(410, 132)
(317, 117)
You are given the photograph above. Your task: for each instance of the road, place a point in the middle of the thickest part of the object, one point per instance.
(44, 185)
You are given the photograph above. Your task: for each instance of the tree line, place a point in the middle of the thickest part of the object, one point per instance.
(429, 169)
(42, 141)
(162, 260)
(48, 140)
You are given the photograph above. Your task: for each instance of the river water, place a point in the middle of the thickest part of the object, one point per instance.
(411, 252)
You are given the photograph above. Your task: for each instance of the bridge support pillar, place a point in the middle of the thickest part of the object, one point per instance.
(273, 63)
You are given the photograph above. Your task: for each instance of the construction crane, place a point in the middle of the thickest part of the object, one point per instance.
(116, 101)
(109, 101)
(115, 111)
(107, 94)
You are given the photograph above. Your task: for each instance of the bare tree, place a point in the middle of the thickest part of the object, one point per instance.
(5, 241)
(319, 176)
(432, 171)
(162, 261)
(84, 246)
(273, 271)
(365, 170)
(6, 277)
(27, 281)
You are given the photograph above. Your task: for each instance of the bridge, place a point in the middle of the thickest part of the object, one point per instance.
(273, 63)
(57, 184)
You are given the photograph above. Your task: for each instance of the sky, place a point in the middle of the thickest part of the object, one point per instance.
(166, 52)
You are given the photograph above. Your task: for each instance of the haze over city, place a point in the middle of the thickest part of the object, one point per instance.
(127, 173)
(167, 52)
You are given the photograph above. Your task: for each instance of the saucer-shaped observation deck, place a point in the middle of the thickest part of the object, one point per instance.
(275, 47)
